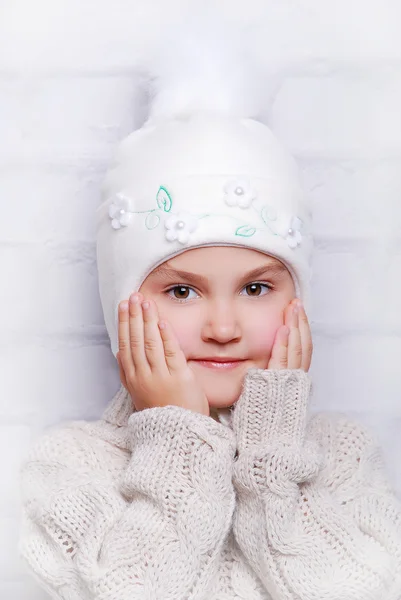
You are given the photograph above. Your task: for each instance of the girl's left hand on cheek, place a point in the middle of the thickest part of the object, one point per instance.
(292, 348)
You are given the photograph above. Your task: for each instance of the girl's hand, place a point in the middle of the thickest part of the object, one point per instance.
(153, 367)
(293, 346)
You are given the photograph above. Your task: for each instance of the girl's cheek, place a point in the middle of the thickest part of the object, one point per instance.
(181, 323)
(185, 335)
(261, 339)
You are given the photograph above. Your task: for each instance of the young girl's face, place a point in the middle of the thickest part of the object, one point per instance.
(223, 303)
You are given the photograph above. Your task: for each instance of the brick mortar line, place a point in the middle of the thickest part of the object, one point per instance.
(320, 66)
(92, 160)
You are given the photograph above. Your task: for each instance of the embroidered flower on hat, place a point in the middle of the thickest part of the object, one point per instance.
(239, 192)
(290, 231)
(119, 211)
(179, 227)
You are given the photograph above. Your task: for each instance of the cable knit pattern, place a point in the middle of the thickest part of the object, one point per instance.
(155, 504)
(155, 528)
(312, 525)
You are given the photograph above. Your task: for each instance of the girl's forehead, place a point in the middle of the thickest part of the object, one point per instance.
(214, 260)
(221, 254)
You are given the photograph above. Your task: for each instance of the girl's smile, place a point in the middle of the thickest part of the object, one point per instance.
(219, 365)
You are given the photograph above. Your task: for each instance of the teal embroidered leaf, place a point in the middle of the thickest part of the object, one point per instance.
(268, 213)
(163, 199)
(152, 220)
(245, 231)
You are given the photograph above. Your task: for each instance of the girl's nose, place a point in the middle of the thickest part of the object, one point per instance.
(221, 324)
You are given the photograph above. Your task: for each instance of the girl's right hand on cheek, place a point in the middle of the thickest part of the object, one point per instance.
(153, 368)
(293, 345)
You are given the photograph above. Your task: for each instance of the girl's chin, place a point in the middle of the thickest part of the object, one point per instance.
(218, 403)
(222, 386)
(222, 390)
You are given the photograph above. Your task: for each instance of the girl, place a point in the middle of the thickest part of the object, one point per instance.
(205, 479)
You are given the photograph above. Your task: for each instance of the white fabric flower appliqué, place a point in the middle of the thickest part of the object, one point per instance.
(119, 211)
(291, 232)
(179, 227)
(239, 192)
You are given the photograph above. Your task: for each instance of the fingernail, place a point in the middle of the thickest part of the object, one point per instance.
(134, 298)
(145, 305)
(124, 305)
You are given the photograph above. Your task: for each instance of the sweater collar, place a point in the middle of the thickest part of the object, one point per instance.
(120, 409)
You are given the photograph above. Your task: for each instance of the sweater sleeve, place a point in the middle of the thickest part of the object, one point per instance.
(103, 523)
(315, 517)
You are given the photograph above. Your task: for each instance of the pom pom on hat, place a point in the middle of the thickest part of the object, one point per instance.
(204, 64)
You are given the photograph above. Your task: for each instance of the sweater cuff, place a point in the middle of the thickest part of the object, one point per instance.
(176, 451)
(272, 408)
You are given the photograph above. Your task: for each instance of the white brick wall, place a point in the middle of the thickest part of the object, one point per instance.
(67, 94)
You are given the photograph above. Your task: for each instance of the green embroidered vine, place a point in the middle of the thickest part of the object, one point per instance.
(164, 203)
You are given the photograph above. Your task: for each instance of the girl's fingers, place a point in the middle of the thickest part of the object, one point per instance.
(153, 344)
(278, 358)
(122, 374)
(294, 340)
(174, 356)
(124, 343)
(306, 339)
(136, 333)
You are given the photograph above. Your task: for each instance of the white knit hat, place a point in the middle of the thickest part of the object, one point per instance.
(197, 174)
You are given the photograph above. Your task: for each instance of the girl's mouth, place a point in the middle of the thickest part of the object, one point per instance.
(219, 365)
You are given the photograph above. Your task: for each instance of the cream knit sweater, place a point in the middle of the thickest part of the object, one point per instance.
(168, 504)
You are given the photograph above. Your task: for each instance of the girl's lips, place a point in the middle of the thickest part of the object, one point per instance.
(211, 364)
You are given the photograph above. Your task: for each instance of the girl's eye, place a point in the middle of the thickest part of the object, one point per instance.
(254, 289)
(180, 292)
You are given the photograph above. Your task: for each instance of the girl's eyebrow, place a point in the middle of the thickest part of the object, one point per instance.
(272, 269)
(169, 273)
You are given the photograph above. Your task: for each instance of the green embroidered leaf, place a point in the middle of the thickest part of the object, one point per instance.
(268, 213)
(163, 199)
(245, 231)
(152, 220)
